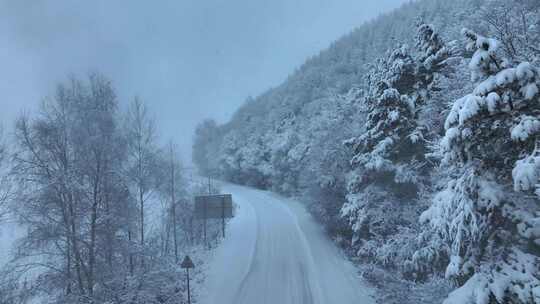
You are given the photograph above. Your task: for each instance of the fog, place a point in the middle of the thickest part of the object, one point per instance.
(188, 60)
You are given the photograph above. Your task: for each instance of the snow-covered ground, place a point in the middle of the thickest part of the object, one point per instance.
(275, 253)
(9, 233)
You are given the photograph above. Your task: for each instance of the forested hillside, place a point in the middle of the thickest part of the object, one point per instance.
(415, 141)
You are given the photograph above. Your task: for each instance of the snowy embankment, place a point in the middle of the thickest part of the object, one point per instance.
(9, 233)
(276, 253)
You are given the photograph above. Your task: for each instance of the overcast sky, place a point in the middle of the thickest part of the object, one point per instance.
(188, 59)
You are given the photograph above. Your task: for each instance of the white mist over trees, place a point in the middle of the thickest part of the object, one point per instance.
(3, 174)
(415, 143)
(86, 178)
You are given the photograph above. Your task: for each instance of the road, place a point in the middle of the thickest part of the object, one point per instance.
(275, 253)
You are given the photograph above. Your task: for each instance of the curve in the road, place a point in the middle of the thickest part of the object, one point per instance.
(276, 253)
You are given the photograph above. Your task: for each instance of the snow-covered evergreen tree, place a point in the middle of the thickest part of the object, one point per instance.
(432, 50)
(490, 139)
(437, 62)
(387, 156)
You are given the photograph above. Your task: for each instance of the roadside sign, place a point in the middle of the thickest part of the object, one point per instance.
(213, 206)
(187, 263)
(217, 206)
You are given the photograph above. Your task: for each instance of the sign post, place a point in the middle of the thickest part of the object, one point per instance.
(223, 216)
(187, 264)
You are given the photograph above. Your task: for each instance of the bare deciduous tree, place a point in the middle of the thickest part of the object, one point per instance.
(141, 165)
(66, 163)
(516, 25)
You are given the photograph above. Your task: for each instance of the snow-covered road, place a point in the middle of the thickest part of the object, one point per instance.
(275, 253)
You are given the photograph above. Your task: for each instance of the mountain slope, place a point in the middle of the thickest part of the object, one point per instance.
(415, 142)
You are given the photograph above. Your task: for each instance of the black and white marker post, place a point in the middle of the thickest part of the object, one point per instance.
(187, 264)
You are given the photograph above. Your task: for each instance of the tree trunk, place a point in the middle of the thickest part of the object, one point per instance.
(141, 200)
(92, 249)
(173, 201)
(75, 245)
(68, 267)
